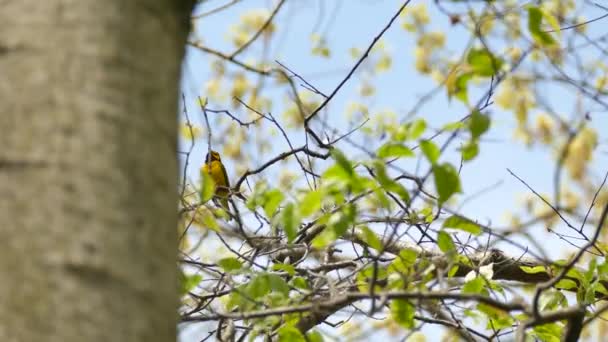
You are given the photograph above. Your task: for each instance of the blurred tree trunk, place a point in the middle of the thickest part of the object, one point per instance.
(88, 169)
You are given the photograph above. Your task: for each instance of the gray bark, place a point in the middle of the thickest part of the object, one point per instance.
(88, 170)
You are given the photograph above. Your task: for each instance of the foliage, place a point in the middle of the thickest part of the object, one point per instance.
(347, 216)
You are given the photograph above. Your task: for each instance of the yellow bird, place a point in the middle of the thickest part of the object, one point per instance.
(214, 167)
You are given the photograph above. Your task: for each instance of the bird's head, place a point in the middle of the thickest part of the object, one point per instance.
(212, 156)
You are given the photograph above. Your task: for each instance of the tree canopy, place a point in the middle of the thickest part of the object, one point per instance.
(396, 166)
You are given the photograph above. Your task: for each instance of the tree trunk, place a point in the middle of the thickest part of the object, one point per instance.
(88, 169)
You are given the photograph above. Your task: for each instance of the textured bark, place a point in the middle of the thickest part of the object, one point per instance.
(88, 170)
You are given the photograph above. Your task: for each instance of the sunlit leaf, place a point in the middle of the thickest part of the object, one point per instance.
(533, 269)
(566, 284)
(483, 62)
(310, 203)
(290, 221)
(389, 184)
(289, 333)
(551, 300)
(551, 332)
(189, 282)
(390, 150)
(447, 181)
(478, 124)
(444, 241)
(230, 264)
(207, 187)
(430, 150)
(535, 18)
(403, 312)
(272, 200)
(277, 283)
(461, 223)
(371, 239)
(470, 150)
(314, 336)
(290, 269)
(299, 283)
(475, 286)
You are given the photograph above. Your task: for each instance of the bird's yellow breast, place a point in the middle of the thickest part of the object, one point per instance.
(216, 170)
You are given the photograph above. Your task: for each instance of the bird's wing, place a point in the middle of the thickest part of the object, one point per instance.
(225, 175)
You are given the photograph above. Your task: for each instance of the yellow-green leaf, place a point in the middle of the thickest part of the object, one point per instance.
(483, 62)
(430, 150)
(447, 181)
(207, 187)
(444, 241)
(394, 150)
(461, 223)
(533, 269)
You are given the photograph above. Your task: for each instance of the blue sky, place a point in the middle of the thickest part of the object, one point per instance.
(354, 23)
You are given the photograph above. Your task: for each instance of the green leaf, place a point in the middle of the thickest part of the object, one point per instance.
(408, 257)
(288, 333)
(390, 150)
(461, 223)
(322, 240)
(404, 262)
(552, 300)
(447, 181)
(533, 269)
(550, 332)
(590, 273)
(599, 288)
(478, 124)
(337, 225)
(257, 287)
(483, 62)
(277, 284)
(337, 173)
(553, 22)
(602, 269)
(371, 239)
(470, 151)
(343, 219)
(416, 129)
(445, 243)
(230, 264)
(209, 221)
(290, 269)
(342, 162)
(430, 150)
(290, 222)
(403, 313)
(460, 89)
(299, 283)
(497, 319)
(366, 275)
(566, 284)
(207, 187)
(272, 200)
(388, 184)
(535, 18)
(576, 274)
(314, 336)
(311, 203)
(453, 271)
(189, 282)
(475, 286)
(452, 126)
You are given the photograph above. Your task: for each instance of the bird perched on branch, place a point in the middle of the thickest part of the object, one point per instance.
(214, 167)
